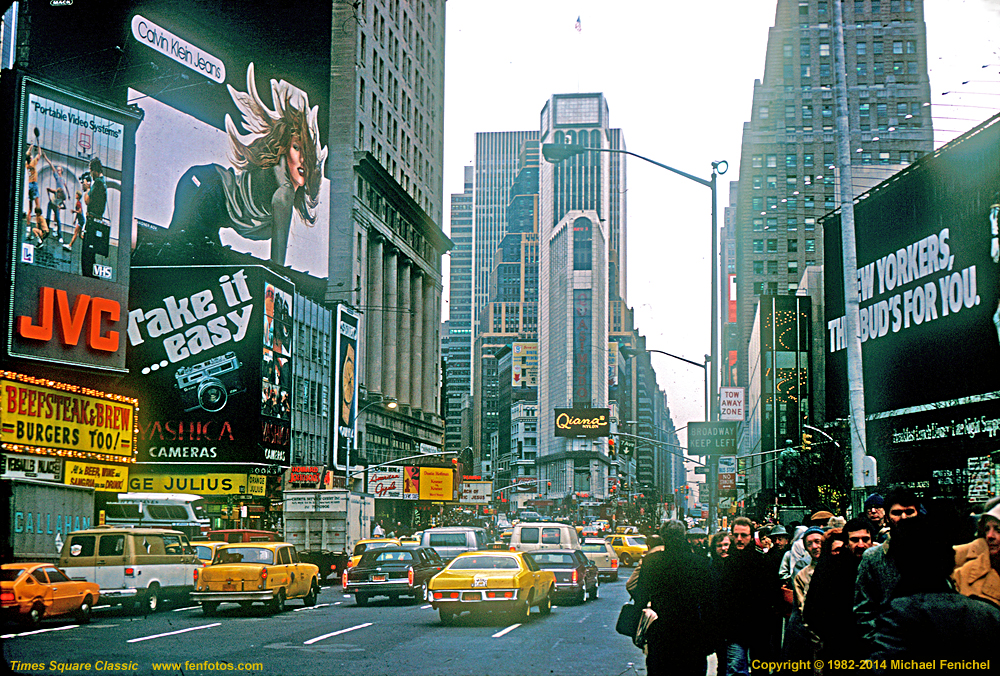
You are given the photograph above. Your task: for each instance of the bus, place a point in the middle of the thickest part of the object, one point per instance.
(178, 511)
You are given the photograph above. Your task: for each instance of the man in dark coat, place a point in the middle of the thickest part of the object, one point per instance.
(680, 588)
(927, 619)
(829, 606)
(747, 599)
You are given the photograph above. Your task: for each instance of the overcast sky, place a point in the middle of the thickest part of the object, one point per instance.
(678, 78)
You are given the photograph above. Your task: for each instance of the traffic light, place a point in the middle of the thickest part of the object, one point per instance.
(611, 448)
(806, 442)
(548, 484)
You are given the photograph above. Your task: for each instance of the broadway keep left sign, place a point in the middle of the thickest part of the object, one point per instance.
(712, 438)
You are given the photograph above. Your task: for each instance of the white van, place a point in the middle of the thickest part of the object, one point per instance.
(450, 541)
(529, 536)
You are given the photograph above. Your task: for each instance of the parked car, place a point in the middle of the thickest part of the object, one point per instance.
(450, 541)
(629, 548)
(392, 572)
(139, 566)
(528, 536)
(576, 575)
(260, 572)
(491, 581)
(604, 557)
(363, 546)
(31, 592)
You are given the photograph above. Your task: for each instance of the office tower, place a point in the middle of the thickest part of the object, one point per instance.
(497, 163)
(458, 348)
(511, 311)
(788, 176)
(574, 234)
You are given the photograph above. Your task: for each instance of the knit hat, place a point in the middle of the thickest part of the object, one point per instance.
(874, 500)
(810, 531)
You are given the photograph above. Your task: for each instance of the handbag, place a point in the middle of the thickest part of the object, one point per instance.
(646, 619)
(628, 620)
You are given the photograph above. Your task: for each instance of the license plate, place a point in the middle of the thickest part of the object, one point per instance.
(378, 578)
(228, 586)
(471, 596)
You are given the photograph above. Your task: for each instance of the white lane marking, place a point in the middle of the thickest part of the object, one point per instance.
(40, 631)
(180, 610)
(426, 607)
(507, 630)
(172, 633)
(318, 605)
(336, 633)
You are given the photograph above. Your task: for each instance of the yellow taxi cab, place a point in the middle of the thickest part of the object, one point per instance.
(409, 540)
(363, 546)
(205, 551)
(491, 580)
(258, 572)
(629, 548)
(31, 592)
(627, 530)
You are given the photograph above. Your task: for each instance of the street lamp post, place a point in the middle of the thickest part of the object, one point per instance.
(629, 352)
(557, 152)
(388, 402)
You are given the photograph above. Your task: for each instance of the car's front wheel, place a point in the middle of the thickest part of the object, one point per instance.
(447, 617)
(626, 560)
(361, 599)
(209, 607)
(545, 607)
(33, 618)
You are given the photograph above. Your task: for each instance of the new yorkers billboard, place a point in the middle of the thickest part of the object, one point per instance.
(69, 248)
(928, 282)
(210, 351)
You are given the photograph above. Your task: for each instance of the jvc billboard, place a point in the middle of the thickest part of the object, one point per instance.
(210, 354)
(928, 281)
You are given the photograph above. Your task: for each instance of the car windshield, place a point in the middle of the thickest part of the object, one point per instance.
(484, 563)
(244, 555)
(593, 547)
(560, 559)
(203, 551)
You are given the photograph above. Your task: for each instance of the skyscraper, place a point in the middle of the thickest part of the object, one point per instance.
(575, 208)
(788, 166)
(458, 355)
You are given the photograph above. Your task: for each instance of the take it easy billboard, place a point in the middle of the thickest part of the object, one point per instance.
(210, 355)
(70, 228)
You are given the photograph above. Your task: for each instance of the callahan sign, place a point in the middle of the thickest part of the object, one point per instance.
(583, 422)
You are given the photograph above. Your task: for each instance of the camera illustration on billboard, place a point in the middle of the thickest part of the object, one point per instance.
(210, 352)
(72, 192)
(254, 183)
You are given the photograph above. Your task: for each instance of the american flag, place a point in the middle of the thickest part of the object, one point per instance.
(579, 26)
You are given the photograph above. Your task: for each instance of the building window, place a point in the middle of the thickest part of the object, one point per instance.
(792, 223)
(791, 161)
(824, 49)
(582, 244)
(758, 224)
(772, 160)
(757, 161)
(772, 202)
(810, 245)
(757, 182)
(758, 267)
(765, 112)
(772, 224)
(793, 267)
(772, 288)
(758, 288)
(772, 181)
(883, 157)
(793, 246)
(757, 203)
(772, 267)
(810, 223)
(792, 288)
(758, 246)
(860, 48)
(772, 246)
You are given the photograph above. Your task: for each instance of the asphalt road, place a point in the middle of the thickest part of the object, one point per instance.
(334, 637)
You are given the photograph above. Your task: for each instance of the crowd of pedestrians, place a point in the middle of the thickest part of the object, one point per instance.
(902, 582)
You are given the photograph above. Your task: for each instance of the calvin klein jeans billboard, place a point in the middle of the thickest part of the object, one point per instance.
(210, 351)
(928, 282)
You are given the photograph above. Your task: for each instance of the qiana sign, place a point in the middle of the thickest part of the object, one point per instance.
(583, 422)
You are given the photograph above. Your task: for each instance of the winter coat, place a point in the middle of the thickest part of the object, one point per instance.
(936, 626)
(974, 574)
(748, 588)
(876, 582)
(828, 609)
